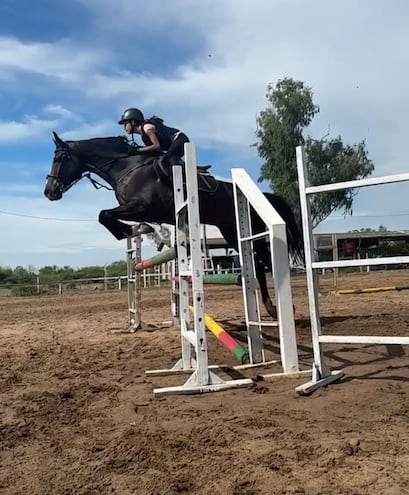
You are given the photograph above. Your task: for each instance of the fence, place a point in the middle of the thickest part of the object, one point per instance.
(157, 276)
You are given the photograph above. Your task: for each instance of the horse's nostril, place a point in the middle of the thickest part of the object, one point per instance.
(48, 194)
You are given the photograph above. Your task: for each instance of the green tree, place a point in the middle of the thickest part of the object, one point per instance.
(117, 268)
(89, 272)
(21, 275)
(54, 273)
(6, 275)
(280, 129)
(381, 228)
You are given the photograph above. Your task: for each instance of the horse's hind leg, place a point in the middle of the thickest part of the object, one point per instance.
(262, 281)
(110, 220)
(261, 260)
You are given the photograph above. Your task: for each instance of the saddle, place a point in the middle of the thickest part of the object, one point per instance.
(205, 181)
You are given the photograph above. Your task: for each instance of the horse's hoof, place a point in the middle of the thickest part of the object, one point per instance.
(271, 309)
(142, 228)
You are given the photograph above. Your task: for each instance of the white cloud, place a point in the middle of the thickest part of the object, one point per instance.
(60, 111)
(216, 95)
(87, 130)
(30, 127)
(69, 125)
(61, 60)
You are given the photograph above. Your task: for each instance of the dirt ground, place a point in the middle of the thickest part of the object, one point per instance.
(77, 414)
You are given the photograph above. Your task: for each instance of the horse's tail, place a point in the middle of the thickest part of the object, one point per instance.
(294, 231)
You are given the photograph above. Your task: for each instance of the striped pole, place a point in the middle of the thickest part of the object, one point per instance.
(158, 259)
(227, 340)
(368, 290)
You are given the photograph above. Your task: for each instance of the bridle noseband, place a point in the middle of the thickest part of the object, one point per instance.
(58, 183)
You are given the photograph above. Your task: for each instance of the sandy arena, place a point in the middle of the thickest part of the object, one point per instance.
(77, 414)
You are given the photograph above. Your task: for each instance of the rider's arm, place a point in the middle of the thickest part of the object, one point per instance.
(151, 133)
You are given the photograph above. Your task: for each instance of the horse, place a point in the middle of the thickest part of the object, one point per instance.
(144, 191)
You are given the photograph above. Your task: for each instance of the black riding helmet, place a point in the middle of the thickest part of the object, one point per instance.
(131, 114)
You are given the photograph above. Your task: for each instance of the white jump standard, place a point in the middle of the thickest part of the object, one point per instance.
(321, 374)
(133, 256)
(247, 195)
(193, 334)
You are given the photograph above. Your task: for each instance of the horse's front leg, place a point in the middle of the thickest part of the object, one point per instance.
(110, 219)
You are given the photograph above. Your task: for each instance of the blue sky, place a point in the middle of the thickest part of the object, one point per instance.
(204, 66)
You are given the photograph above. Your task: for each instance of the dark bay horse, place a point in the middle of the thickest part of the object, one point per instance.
(145, 194)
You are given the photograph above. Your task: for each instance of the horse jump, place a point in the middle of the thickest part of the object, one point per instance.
(277, 233)
(194, 357)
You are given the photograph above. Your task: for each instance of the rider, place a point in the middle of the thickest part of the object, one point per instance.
(155, 135)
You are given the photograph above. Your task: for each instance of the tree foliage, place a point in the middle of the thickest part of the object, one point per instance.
(280, 129)
(53, 273)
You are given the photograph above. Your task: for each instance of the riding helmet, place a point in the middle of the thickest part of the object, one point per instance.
(131, 114)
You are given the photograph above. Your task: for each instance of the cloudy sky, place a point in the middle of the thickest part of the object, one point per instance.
(203, 65)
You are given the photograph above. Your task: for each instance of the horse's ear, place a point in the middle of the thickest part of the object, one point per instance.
(58, 141)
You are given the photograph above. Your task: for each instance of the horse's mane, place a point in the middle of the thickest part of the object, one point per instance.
(106, 147)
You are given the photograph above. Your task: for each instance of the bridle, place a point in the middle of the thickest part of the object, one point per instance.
(65, 154)
(56, 172)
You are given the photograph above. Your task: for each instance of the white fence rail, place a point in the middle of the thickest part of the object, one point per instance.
(150, 278)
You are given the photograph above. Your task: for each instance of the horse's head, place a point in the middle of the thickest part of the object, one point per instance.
(66, 170)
